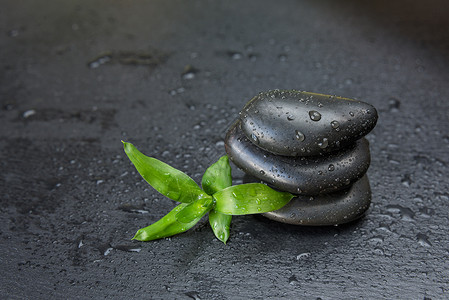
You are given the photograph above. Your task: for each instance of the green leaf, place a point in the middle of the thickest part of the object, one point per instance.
(217, 176)
(220, 224)
(195, 209)
(169, 225)
(167, 180)
(251, 198)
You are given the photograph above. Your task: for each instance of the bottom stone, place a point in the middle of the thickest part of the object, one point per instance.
(326, 209)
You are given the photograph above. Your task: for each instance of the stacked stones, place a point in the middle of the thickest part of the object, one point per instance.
(311, 145)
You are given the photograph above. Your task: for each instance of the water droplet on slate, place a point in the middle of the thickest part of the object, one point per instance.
(351, 113)
(423, 240)
(235, 55)
(290, 117)
(331, 167)
(299, 136)
(262, 172)
(128, 248)
(101, 60)
(282, 57)
(193, 295)
(303, 255)
(13, 33)
(189, 75)
(314, 115)
(394, 104)
(29, 113)
(292, 280)
(189, 72)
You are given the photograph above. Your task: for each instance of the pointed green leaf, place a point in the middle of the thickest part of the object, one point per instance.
(220, 224)
(251, 198)
(167, 180)
(168, 225)
(217, 176)
(195, 209)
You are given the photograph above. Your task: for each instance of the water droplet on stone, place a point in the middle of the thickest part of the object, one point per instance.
(290, 117)
(262, 172)
(299, 136)
(324, 143)
(331, 167)
(335, 124)
(255, 138)
(351, 113)
(314, 115)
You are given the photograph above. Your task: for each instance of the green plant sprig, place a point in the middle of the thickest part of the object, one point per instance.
(218, 197)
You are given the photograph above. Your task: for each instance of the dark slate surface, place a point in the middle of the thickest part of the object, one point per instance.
(71, 201)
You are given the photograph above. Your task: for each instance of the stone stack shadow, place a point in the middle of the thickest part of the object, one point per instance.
(310, 145)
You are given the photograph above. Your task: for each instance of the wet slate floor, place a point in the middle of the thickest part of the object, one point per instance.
(170, 76)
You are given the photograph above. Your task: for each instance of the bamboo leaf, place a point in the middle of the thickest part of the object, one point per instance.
(251, 198)
(167, 180)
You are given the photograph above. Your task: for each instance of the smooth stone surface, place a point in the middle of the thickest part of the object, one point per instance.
(299, 175)
(294, 123)
(326, 209)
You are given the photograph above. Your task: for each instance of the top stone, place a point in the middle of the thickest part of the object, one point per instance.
(294, 123)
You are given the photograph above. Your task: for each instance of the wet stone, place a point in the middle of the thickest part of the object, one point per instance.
(324, 123)
(299, 175)
(326, 209)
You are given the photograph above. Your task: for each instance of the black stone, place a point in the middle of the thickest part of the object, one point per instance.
(326, 209)
(299, 175)
(294, 123)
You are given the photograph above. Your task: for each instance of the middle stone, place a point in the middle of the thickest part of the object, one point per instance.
(299, 175)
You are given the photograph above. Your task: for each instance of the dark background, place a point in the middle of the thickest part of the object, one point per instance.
(71, 201)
